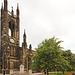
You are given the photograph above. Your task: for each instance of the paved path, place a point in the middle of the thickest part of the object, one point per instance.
(37, 74)
(24, 74)
(5, 74)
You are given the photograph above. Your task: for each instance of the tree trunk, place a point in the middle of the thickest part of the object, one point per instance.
(63, 72)
(47, 71)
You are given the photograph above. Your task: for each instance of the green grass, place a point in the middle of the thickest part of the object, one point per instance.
(60, 73)
(56, 74)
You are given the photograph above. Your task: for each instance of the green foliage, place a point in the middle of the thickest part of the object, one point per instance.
(73, 62)
(47, 54)
(70, 57)
(51, 56)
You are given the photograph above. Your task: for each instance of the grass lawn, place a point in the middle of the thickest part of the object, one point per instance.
(56, 74)
(60, 73)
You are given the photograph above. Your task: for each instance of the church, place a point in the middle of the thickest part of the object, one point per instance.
(11, 54)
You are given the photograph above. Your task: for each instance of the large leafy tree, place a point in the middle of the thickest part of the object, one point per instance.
(70, 58)
(73, 62)
(62, 64)
(48, 55)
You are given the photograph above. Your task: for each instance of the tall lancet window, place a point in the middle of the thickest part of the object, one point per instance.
(11, 29)
(9, 32)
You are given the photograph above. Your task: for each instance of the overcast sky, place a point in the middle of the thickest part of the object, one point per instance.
(43, 19)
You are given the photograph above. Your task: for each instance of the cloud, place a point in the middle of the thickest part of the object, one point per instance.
(47, 18)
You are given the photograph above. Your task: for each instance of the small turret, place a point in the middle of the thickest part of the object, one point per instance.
(24, 40)
(30, 47)
(12, 12)
(2, 6)
(5, 5)
(2, 9)
(17, 11)
(24, 37)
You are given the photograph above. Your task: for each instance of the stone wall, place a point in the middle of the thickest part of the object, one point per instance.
(0, 39)
(28, 72)
(0, 29)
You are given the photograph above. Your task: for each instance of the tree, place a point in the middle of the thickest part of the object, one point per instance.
(73, 62)
(70, 57)
(63, 64)
(48, 55)
(67, 55)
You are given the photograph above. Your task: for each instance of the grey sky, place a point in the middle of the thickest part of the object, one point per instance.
(47, 18)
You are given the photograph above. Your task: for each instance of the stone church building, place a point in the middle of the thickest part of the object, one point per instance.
(11, 54)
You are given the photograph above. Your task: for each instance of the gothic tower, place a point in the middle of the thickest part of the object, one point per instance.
(11, 54)
(26, 53)
(9, 37)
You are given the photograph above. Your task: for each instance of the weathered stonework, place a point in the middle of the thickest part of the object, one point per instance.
(11, 54)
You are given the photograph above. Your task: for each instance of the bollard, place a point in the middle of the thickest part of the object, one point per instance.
(3, 72)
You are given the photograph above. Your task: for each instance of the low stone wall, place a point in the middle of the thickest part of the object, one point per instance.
(28, 72)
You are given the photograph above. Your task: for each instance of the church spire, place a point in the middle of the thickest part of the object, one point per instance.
(17, 6)
(24, 40)
(1, 10)
(17, 9)
(12, 12)
(24, 36)
(2, 6)
(24, 33)
(5, 5)
(30, 47)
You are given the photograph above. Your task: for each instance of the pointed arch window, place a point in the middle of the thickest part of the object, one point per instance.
(9, 32)
(11, 28)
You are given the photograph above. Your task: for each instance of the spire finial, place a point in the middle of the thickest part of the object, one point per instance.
(30, 47)
(12, 11)
(5, 5)
(24, 36)
(17, 11)
(24, 32)
(18, 6)
(12, 8)
(2, 6)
